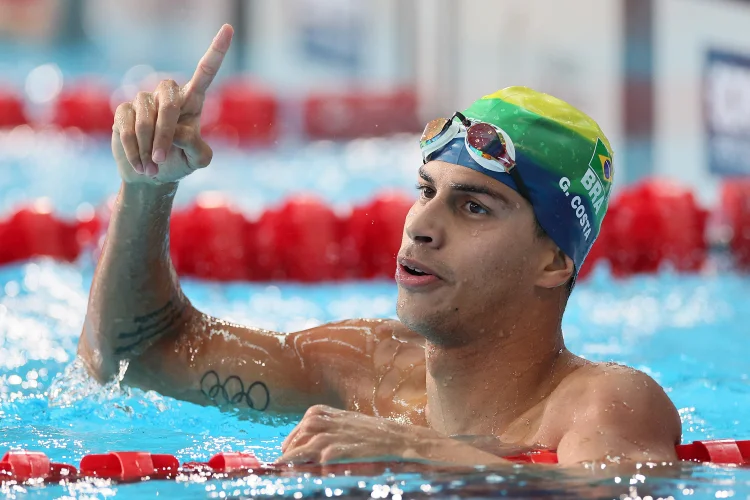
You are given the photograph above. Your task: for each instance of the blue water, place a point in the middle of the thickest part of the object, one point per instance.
(687, 331)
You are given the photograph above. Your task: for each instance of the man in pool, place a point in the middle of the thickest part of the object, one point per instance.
(512, 195)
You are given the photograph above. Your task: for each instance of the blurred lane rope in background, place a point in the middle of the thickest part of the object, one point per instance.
(314, 120)
(341, 70)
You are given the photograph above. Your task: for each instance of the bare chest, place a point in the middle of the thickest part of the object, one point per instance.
(399, 390)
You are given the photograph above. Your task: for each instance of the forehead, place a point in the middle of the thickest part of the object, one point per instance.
(445, 174)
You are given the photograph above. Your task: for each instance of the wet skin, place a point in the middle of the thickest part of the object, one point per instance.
(477, 351)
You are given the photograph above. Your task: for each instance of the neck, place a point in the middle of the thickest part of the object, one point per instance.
(482, 386)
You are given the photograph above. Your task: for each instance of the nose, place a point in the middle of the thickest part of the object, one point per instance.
(424, 225)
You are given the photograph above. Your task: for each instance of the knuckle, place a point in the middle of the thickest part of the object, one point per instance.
(168, 83)
(331, 452)
(303, 427)
(321, 440)
(127, 135)
(313, 422)
(142, 97)
(169, 105)
(168, 92)
(207, 68)
(206, 158)
(313, 410)
(163, 134)
(317, 410)
(143, 127)
(314, 425)
(124, 108)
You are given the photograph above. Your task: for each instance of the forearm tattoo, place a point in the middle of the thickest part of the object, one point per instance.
(232, 391)
(149, 326)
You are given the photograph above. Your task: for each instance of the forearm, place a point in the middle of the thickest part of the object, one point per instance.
(451, 451)
(135, 295)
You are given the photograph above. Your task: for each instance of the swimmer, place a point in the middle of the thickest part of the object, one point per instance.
(512, 193)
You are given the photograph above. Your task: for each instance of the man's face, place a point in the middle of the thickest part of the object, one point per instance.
(476, 240)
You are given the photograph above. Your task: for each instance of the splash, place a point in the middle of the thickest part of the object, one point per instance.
(75, 384)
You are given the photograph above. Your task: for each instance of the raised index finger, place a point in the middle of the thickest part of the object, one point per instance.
(211, 61)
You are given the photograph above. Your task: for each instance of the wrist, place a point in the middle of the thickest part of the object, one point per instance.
(447, 450)
(146, 200)
(148, 193)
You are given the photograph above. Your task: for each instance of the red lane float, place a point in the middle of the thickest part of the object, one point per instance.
(299, 241)
(85, 106)
(229, 462)
(648, 225)
(209, 241)
(11, 109)
(132, 466)
(352, 114)
(245, 113)
(720, 452)
(129, 466)
(21, 466)
(35, 231)
(123, 466)
(653, 223)
(735, 197)
(372, 236)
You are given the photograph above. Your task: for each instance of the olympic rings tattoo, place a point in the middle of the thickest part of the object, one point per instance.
(233, 391)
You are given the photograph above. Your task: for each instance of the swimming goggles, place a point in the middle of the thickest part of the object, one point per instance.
(488, 145)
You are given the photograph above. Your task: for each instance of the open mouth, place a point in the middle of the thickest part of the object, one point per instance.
(414, 271)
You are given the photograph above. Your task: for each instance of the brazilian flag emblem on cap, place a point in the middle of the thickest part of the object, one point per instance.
(602, 161)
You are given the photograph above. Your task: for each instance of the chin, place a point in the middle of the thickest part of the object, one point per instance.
(424, 319)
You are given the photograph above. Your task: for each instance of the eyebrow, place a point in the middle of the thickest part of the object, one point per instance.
(467, 188)
(424, 175)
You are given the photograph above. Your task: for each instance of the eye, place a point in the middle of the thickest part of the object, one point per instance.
(426, 191)
(475, 208)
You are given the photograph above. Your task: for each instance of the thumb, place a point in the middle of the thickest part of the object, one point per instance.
(197, 151)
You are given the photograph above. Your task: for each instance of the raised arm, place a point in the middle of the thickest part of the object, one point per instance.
(135, 296)
(138, 319)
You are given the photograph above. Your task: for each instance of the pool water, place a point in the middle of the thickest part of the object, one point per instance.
(687, 331)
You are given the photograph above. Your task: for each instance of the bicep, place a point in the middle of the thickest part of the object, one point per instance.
(213, 362)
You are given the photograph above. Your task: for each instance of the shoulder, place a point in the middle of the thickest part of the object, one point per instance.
(612, 395)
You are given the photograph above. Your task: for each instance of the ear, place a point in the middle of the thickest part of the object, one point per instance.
(556, 268)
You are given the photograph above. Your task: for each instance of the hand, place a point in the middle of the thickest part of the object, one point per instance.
(328, 435)
(156, 137)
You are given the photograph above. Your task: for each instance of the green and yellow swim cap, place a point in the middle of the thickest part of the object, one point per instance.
(562, 156)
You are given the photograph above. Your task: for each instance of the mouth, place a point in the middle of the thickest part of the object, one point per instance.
(415, 271)
(416, 268)
(414, 275)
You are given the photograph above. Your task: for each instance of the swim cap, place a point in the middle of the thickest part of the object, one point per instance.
(562, 156)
